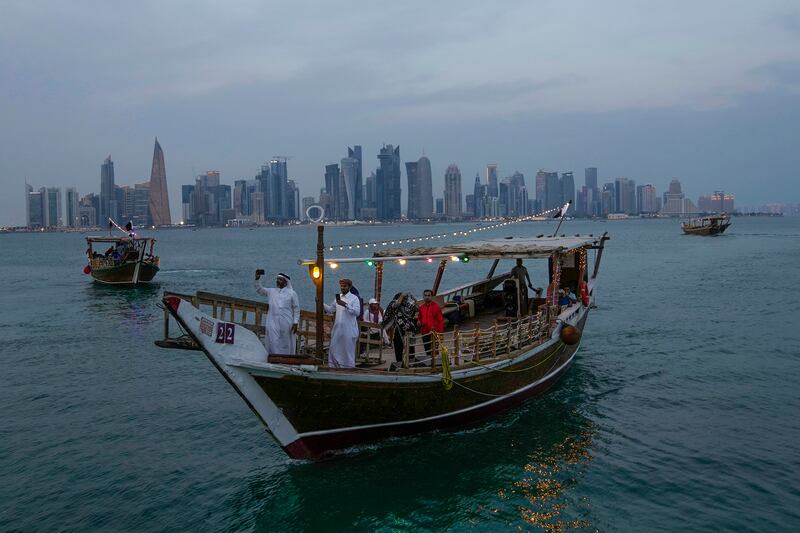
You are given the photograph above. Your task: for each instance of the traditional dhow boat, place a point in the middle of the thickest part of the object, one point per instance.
(122, 260)
(499, 347)
(710, 225)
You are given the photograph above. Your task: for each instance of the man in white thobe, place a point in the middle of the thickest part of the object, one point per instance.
(344, 334)
(283, 315)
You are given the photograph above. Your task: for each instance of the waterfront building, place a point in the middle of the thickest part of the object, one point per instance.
(108, 203)
(567, 184)
(608, 200)
(158, 195)
(625, 199)
(358, 187)
(72, 218)
(257, 207)
(351, 188)
(308, 201)
(276, 191)
(54, 215)
(452, 192)
(335, 201)
(440, 206)
(478, 192)
(491, 180)
(718, 202)
(552, 190)
(646, 199)
(420, 189)
(387, 181)
(675, 202)
(592, 196)
(34, 207)
(292, 200)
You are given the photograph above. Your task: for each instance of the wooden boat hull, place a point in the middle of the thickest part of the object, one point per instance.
(709, 230)
(126, 274)
(313, 411)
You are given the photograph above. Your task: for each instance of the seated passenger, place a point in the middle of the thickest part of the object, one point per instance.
(374, 315)
(455, 315)
(563, 297)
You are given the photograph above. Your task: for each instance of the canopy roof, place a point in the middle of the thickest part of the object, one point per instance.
(508, 248)
(118, 239)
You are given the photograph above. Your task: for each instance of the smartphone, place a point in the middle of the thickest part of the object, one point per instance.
(260, 272)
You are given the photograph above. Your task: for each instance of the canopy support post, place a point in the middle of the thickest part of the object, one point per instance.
(439, 273)
(378, 280)
(320, 325)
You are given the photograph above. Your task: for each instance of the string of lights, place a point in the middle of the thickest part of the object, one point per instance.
(421, 238)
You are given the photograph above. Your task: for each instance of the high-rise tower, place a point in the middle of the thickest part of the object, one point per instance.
(159, 197)
(452, 192)
(108, 202)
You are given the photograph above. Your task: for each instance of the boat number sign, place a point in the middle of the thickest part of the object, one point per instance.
(225, 331)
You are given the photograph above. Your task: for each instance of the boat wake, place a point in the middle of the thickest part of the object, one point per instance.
(194, 271)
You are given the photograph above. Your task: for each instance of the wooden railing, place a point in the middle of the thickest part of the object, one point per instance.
(503, 337)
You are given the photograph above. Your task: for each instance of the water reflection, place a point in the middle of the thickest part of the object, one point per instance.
(521, 469)
(132, 308)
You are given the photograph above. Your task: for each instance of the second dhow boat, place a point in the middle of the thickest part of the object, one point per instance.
(498, 349)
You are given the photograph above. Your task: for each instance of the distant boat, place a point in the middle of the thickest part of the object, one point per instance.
(711, 225)
(126, 261)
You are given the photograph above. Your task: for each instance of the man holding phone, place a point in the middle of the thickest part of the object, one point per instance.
(344, 334)
(283, 315)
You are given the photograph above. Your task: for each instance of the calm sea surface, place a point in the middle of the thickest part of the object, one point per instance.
(681, 412)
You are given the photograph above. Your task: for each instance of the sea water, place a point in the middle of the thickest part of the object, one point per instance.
(680, 412)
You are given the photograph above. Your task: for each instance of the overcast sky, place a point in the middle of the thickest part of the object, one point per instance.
(706, 91)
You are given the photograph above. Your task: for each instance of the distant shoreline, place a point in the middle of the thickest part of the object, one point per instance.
(346, 224)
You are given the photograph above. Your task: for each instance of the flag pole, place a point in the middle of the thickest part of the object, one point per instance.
(562, 212)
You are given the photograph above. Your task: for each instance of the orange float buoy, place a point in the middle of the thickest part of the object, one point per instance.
(570, 335)
(87, 269)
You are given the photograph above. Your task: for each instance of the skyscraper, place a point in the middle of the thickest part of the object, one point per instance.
(420, 189)
(159, 196)
(276, 196)
(34, 208)
(352, 187)
(55, 214)
(452, 192)
(477, 197)
(108, 201)
(332, 186)
(413, 202)
(358, 197)
(491, 180)
(646, 199)
(387, 179)
(73, 217)
(590, 175)
(552, 190)
(625, 200)
(567, 183)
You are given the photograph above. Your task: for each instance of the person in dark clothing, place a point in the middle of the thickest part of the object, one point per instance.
(401, 317)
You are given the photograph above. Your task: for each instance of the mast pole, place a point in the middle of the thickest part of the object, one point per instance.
(320, 325)
(438, 280)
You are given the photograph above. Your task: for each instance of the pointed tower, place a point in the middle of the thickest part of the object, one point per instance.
(159, 198)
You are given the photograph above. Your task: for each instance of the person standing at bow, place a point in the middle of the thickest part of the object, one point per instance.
(283, 315)
(344, 334)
